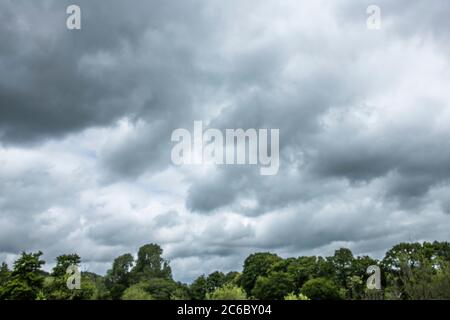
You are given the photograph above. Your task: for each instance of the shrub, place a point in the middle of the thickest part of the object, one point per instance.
(227, 292)
(321, 289)
(136, 292)
(293, 296)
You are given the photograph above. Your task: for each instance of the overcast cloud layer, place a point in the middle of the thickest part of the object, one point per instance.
(86, 118)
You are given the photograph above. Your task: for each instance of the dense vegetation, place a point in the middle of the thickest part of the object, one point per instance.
(408, 271)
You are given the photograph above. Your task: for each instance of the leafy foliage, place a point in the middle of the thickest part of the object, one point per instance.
(117, 279)
(63, 262)
(4, 274)
(274, 286)
(321, 289)
(199, 288)
(136, 292)
(227, 292)
(408, 271)
(257, 265)
(293, 296)
(150, 264)
(25, 281)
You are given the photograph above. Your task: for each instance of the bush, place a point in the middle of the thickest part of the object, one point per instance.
(227, 292)
(275, 286)
(136, 292)
(161, 289)
(293, 296)
(321, 289)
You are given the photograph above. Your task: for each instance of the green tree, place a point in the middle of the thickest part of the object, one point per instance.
(26, 278)
(325, 268)
(301, 269)
(4, 274)
(137, 292)
(87, 290)
(233, 277)
(441, 250)
(161, 288)
(215, 280)
(356, 287)
(355, 283)
(409, 268)
(425, 281)
(342, 263)
(150, 264)
(55, 286)
(227, 292)
(117, 279)
(293, 296)
(274, 286)
(63, 262)
(257, 265)
(181, 292)
(199, 288)
(321, 289)
(401, 254)
(441, 282)
(100, 291)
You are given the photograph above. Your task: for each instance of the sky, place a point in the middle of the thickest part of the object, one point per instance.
(86, 118)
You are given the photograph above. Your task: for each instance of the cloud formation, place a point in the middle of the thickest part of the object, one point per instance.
(86, 118)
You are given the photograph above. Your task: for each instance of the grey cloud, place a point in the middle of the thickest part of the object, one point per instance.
(50, 92)
(219, 190)
(362, 116)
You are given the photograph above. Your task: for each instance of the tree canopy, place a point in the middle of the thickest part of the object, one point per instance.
(408, 271)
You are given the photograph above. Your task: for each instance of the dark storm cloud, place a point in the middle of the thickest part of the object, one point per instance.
(410, 158)
(55, 81)
(86, 118)
(219, 190)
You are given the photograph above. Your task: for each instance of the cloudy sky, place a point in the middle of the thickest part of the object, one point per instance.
(86, 118)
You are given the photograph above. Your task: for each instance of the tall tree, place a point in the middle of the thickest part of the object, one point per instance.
(356, 283)
(161, 288)
(117, 279)
(137, 292)
(233, 277)
(4, 274)
(63, 262)
(321, 289)
(150, 264)
(257, 265)
(409, 253)
(228, 292)
(342, 262)
(275, 286)
(300, 269)
(26, 278)
(199, 288)
(56, 287)
(214, 281)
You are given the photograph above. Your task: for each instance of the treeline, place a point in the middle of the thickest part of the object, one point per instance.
(408, 271)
